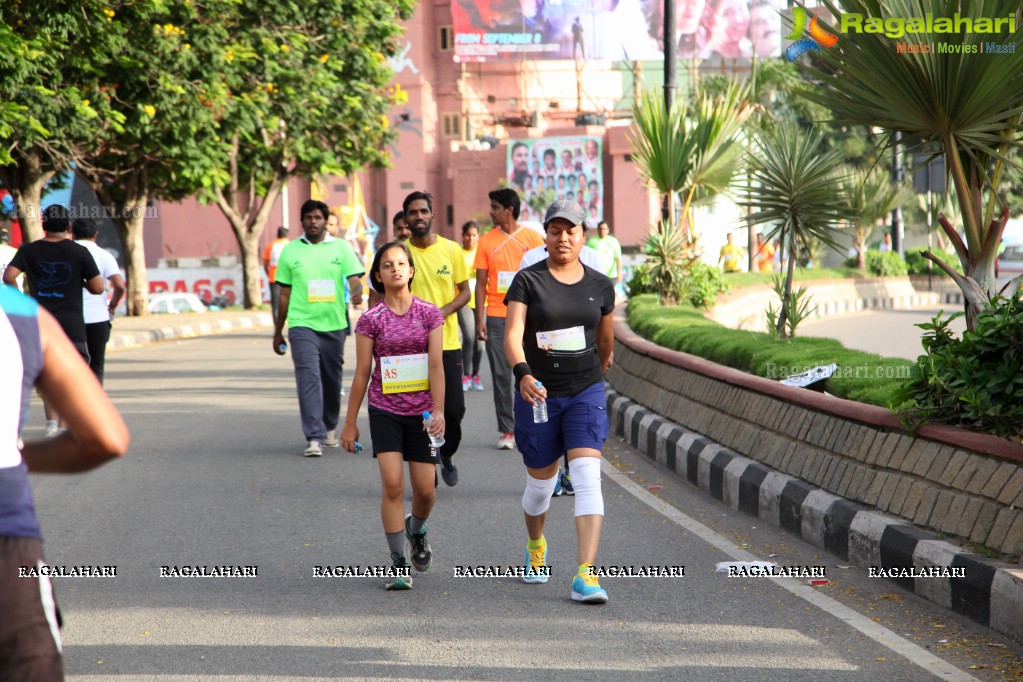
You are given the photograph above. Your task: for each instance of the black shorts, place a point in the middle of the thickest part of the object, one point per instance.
(29, 629)
(399, 433)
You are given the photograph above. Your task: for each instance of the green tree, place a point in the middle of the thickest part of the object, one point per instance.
(968, 106)
(47, 106)
(163, 84)
(307, 96)
(692, 151)
(872, 195)
(776, 91)
(796, 191)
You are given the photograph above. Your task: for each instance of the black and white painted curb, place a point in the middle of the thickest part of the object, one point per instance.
(134, 339)
(991, 592)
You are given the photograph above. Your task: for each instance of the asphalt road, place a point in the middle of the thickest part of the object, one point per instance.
(891, 333)
(215, 476)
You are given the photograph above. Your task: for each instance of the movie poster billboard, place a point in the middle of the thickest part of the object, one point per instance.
(615, 30)
(558, 168)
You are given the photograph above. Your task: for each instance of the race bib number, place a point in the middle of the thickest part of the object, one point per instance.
(572, 338)
(322, 291)
(504, 280)
(405, 373)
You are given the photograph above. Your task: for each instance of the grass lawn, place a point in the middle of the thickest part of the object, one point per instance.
(863, 377)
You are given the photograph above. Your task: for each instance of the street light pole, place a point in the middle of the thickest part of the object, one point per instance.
(670, 54)
(897, 246)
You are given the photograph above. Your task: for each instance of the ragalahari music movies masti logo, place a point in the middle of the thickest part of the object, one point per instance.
(819, 37)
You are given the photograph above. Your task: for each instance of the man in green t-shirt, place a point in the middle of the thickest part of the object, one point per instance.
(610, 251)
(312, 271)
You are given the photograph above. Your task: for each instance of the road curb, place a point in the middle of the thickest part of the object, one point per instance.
(135, 339)
(991, 593)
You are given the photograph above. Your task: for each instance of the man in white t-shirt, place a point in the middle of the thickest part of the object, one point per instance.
(7, 253)
(98, 311)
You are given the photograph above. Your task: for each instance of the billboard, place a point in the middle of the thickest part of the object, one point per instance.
(558, 168)
(616, 30)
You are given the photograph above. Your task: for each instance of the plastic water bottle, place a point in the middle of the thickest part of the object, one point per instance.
(435, 441)
(540, 409)
(283, 348)
(358, 448)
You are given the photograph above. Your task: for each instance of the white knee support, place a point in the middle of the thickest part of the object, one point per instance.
(585, 473)
(537, 497)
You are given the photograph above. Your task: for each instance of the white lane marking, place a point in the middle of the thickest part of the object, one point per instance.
(857, 621)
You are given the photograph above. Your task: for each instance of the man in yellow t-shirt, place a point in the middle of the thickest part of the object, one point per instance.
(498, 257)
(441, 279)
(728, 260)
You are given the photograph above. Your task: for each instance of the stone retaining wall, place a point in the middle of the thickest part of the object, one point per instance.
(964, 485)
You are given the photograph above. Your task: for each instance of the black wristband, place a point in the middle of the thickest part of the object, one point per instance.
(520, 370)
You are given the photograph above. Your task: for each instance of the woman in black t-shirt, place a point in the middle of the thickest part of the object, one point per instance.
(558, 334)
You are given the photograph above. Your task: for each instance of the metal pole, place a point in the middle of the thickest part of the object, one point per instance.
(930, 286)
(897, 177)
(670, 54)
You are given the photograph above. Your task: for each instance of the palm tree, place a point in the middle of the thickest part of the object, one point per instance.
(797, 191)
(872, 196)
(693, 152)
(969, 104)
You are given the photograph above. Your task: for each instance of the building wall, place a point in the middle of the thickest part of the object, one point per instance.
(497, 100)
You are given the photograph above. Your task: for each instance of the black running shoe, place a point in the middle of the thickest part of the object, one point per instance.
(448, 470)
(420, 553)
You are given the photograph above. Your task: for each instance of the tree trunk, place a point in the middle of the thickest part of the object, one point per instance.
(251, 266)
(786, 299)
(977, 282)
(25, 180)
(248, 225)
(129, 209)
(860, 243)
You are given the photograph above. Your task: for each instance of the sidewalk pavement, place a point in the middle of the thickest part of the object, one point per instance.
(132, 332)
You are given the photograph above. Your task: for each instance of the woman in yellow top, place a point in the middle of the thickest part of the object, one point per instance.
(472, 348)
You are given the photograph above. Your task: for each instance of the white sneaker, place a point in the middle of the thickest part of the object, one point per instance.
(506, 441)
(331, 440)
(313, 449)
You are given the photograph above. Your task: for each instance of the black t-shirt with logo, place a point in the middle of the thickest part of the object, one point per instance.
(563, 318)
(56, 273)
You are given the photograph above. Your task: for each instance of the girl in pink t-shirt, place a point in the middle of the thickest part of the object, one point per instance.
(398, 346)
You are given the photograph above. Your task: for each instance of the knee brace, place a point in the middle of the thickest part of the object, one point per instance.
(585, 473)
(537, 497)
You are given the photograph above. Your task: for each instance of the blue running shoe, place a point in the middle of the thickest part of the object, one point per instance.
(558, 490)
(566, 484)
(586, 589)
(537, 568)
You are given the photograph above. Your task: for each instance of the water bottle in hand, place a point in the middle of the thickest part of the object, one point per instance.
(435, 441)
(540, 408)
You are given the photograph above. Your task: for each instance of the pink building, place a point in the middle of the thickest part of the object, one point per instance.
(454, 126)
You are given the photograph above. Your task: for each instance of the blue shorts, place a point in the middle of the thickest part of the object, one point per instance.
(577, 421)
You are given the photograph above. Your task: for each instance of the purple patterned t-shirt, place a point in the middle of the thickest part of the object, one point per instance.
(395, 336)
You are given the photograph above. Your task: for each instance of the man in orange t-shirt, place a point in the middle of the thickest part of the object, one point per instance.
(271, 254)
(763, 255)
(497, 260)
